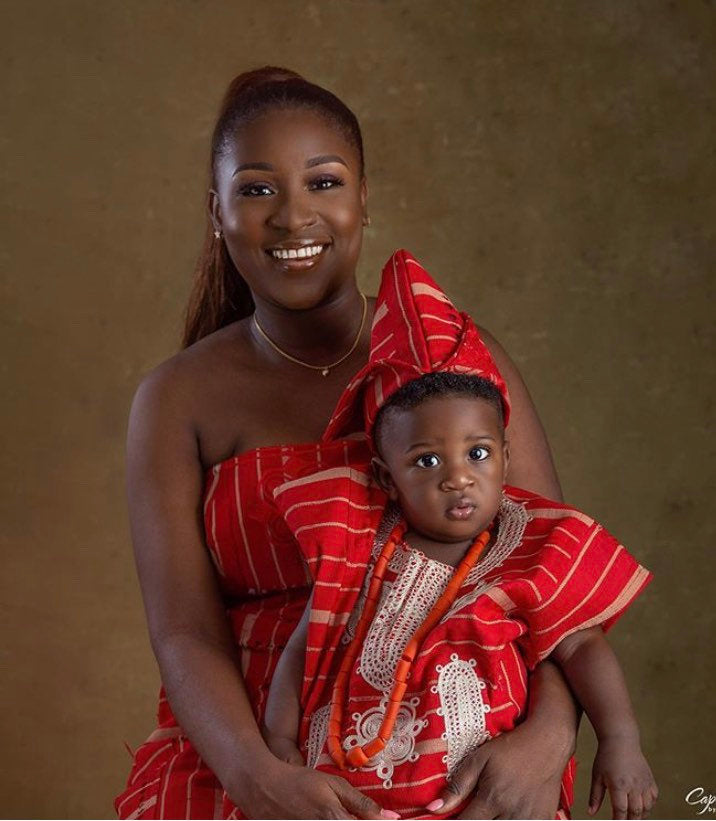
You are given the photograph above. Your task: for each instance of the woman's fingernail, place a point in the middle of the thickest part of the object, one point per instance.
(389, 814)
(434, 806)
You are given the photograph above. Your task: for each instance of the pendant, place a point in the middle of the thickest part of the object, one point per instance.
(324, 372)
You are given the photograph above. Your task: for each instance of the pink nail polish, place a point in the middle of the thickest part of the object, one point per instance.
(434, 806)
(389, 814)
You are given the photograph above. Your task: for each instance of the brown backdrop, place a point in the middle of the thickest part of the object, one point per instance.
(550, 162)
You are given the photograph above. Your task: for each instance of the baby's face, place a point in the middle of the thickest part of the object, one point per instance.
(444, 462)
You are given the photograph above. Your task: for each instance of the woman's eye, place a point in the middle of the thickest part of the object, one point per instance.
(252, 189)
(260, 189)
(327, 182)
(427, 460)
(478, 453)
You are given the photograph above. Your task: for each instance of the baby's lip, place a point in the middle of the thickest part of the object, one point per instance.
(461, 509)
(463, 501)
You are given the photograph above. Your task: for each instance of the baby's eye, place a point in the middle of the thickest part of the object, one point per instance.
(478, 453)
(326, 182)
(252, 189)
(427, 460)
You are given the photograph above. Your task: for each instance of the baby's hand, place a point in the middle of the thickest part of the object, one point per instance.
(621, 768)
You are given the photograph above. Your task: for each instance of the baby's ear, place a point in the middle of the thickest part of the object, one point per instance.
(505, 459)
(384, 478)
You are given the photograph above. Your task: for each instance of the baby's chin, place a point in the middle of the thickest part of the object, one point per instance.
(458, 531)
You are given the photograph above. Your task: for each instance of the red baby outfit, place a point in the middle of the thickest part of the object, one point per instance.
(551, 571)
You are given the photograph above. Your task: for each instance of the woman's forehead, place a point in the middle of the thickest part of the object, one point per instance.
(289, 136)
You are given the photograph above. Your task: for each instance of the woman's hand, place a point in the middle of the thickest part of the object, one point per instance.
(513, 776)
(280, 790)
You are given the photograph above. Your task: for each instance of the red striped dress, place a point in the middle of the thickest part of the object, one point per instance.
(551, 570)
(265, 586)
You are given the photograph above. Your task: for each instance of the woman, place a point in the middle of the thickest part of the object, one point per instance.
(267, 354)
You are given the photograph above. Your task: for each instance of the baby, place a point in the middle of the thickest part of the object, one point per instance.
(442, 459)
(436, 586)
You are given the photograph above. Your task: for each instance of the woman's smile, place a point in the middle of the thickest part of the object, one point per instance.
(298, 257)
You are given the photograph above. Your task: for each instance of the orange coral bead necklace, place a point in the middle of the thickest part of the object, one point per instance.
(359, 756)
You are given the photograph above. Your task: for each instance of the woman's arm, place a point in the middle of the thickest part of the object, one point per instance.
(531, 466)
(283, 706)
(187, 623)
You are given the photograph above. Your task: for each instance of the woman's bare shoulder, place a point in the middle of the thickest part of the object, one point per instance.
(187, 374)
(195, 394)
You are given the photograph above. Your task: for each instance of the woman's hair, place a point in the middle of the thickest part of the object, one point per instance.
(219, 294)
(440, 383)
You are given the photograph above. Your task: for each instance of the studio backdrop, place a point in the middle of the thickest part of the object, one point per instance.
(550, 163)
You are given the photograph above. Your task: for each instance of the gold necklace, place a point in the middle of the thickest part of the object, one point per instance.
(324, 369)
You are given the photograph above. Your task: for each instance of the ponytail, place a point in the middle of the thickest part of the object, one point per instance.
(219, 295)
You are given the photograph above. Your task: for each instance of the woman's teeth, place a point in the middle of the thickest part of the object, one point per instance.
(297, 253)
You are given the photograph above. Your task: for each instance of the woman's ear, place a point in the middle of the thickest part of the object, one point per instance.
(384, 478)
(214, 209)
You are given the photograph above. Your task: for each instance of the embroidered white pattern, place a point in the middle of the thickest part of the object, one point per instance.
(317, 735)
(399, 749)
(462, 707)
(512, 518)
(403, 607)
(405, 604)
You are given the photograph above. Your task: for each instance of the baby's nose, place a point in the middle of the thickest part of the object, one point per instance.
(456, 480)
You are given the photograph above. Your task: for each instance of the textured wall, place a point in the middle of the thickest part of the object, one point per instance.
(550, 162)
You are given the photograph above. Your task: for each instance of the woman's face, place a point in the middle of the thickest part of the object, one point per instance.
(291, 181)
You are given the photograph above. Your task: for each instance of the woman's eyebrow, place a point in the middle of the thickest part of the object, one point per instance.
(324, 158)
(266, 166)
(256, 166)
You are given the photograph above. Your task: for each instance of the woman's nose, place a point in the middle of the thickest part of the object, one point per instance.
(292, 212)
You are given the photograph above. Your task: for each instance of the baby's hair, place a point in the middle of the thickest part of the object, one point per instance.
(441, 383)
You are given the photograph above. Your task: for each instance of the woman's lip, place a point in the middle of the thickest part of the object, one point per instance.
(461, 511)
(298, 264)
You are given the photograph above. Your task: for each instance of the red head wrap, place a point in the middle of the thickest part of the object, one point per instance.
(416, 330)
